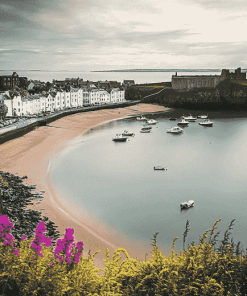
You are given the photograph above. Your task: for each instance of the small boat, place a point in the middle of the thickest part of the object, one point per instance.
(189, 118)
(145, 131)
(160, 168)
(175, 130)
(202, 116)
(119, 138)
(126, 133)
(151, 121)
(146, 128)
(143, 118)
(187, 204)
(172, 118)
(183, 122)
(206, 122)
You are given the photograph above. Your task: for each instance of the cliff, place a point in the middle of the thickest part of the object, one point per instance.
(228, 95)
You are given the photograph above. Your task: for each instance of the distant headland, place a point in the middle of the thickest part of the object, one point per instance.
(160, 70)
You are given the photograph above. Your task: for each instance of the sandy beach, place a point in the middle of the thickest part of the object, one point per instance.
(31, 155)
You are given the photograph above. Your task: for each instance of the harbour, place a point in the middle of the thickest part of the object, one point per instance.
(117, 183)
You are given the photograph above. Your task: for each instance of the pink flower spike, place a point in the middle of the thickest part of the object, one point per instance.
(5, 221)
(16, 252)
(48, 241)
(33, 245)
(68, 259)
(40, 228)
(24, 237)
(51, 265)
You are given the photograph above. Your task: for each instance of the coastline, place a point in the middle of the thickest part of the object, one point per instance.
(32, 154)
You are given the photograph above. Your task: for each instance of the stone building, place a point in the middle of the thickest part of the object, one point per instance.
(8, 81)
(188, 82)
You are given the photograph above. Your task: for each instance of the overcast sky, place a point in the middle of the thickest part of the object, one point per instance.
(122, 34)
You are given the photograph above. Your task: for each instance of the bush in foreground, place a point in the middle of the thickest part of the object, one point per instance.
(38, 268)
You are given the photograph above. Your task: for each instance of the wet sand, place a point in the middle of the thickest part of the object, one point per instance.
(31, 155)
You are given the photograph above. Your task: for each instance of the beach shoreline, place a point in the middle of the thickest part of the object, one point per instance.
(32, 154)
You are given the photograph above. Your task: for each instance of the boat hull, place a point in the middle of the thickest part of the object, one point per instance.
(119, 140)
(145, 131)
(182, 124)
(206, 124)
(160, 168)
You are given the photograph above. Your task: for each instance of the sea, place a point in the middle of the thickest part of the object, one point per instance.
(116, 182)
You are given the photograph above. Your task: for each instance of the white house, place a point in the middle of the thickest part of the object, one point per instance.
(105, 96)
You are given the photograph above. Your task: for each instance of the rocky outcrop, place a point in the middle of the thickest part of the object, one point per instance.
(227, 95)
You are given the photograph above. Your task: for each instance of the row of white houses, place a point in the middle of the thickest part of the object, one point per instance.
(58, 100)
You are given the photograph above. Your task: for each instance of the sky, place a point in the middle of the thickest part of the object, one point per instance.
(83, 35)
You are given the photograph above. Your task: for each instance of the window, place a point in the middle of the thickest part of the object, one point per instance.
(18, 103)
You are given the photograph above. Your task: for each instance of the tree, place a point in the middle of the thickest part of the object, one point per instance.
(3, 111)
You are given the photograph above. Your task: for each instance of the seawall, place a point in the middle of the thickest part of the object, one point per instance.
(18, 131)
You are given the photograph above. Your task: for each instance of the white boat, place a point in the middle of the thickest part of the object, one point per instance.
(146, 127)
(189, 118)
(175, 130)
(187, 204)
(119, 138)
(202, 116)
(183, 122)
(206, 122)
(126, 133)
(145, 131)
(143, 118)
(160, 168)
(151, 121)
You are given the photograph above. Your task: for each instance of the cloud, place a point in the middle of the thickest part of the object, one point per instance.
(61, 33)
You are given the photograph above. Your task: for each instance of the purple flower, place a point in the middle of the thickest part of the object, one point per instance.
(80, 245)
(24, 237)
(68, 259)
(5, 228)
(40, 238)
(16, 252)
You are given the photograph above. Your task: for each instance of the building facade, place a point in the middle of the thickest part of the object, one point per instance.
(28, 104)
(185, 83)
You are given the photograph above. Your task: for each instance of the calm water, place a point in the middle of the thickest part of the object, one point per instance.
(116, 181)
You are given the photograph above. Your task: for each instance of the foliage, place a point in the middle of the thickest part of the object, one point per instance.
(200, 270)
(14, 199)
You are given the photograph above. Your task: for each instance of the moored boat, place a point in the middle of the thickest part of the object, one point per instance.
(206, 122)
(175, 130)
(146, 127)
(189, 118)
(172, 118)
(202, 116)
(119, 138)
(142, 118)
(187, 204)
(151, 121)
(183, 122)
(126, 133)
(145, 131)
(160, 168)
